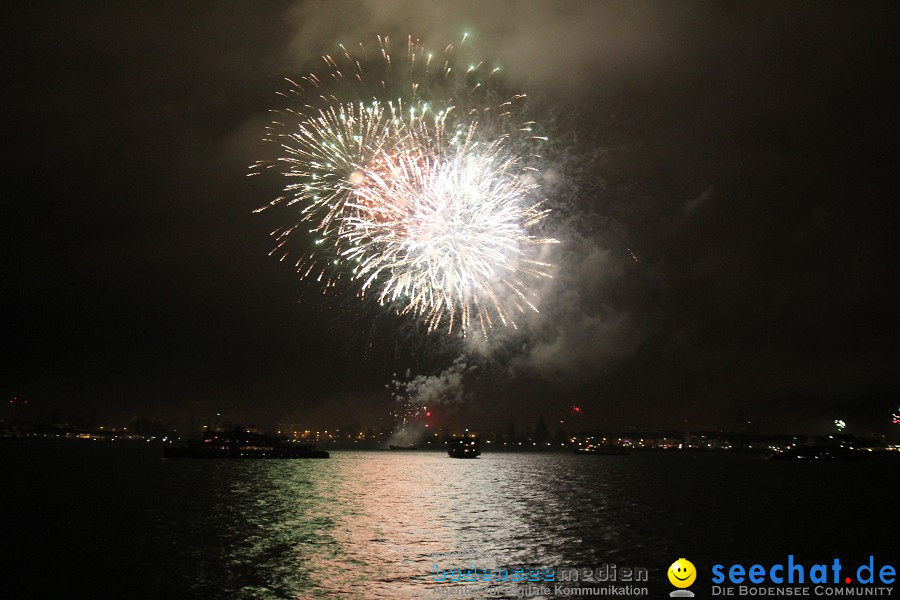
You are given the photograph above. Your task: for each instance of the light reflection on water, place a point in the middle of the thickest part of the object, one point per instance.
(365, 524)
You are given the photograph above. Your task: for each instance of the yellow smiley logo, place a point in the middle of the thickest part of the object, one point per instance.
(682, 573)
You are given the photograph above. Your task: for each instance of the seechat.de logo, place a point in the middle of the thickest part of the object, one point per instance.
(682, 574)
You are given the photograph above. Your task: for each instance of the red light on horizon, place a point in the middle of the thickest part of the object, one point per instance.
(427, 414)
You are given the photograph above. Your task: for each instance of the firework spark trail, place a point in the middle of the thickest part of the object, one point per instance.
(424, 225)
(416, 183)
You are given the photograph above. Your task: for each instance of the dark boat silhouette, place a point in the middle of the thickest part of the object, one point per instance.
(603, 449)
(819, 453)
(242, 444)
(464, 447)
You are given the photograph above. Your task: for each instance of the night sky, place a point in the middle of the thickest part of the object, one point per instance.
(729, 216)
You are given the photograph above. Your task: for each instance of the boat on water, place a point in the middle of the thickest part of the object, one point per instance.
(603, 449)
(466, 446)
(242, 444)
(410, 447)
(819, 453)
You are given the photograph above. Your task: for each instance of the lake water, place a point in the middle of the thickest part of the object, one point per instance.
(108, 521)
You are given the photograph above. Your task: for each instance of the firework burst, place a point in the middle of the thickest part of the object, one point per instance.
(417, 181)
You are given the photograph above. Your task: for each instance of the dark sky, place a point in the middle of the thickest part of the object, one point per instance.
(729, 216)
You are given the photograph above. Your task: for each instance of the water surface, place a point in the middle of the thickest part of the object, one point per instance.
(112, 521)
